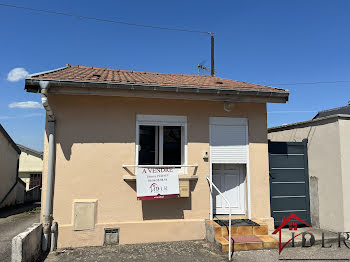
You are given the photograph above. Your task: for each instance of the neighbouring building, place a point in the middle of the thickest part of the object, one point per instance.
(30, 166)
(329, 164)
(12, 189)
(105, 126)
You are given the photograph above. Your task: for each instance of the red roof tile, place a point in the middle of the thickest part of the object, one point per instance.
(115, 76)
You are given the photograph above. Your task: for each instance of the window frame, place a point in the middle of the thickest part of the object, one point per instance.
(161, 121)
(34, 177)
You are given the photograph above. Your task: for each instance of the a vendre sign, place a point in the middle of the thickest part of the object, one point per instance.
(157, 183)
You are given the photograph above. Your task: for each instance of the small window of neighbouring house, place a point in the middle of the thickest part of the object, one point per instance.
(160, 145)
(35, 180)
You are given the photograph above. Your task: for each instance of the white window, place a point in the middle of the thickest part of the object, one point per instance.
(161, 140)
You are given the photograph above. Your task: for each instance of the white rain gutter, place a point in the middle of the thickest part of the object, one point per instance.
(141, 87)
(48, 217)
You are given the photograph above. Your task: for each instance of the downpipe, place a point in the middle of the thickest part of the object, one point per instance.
(54, 234)
(48, 218)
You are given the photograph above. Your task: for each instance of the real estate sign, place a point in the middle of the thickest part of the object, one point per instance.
(157, 183)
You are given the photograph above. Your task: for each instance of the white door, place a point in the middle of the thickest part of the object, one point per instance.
(229, 178)
(229, 154)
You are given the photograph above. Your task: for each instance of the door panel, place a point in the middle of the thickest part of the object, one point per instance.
(230, 181)
(289, 181)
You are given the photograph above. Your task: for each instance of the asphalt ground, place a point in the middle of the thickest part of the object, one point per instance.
(13, 221)
(195, 251)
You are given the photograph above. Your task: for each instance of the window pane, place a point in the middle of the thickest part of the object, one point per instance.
(172, 145)
(147, 143)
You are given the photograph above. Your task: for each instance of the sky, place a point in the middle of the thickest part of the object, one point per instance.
(271, 42)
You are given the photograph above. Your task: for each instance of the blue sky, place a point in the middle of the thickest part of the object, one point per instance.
(265, 42)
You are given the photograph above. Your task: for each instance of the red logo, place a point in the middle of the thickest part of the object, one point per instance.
(292, 226)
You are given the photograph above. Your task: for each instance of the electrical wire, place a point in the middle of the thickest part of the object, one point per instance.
(311, 83)
(105, 20)
(153, 27)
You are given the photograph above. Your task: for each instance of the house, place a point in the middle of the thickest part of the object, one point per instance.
(329, 166)
(105, 126)
(30, 166)
(12, 189)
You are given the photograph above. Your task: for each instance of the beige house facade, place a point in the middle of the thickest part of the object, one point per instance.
(12, 189)
(30, 166)
(328, 159)
(109, 124)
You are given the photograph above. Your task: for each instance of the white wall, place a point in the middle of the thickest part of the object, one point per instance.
(29, 163)
(344, 129)
(8, 170)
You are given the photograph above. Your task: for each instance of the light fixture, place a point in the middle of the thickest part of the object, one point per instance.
(228, 106)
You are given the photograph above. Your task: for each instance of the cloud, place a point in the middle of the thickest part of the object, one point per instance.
(26, 104)
(17, 74)
(32, 115)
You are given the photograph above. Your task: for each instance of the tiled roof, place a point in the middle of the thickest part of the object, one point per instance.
(304, 123)
(345, 110)
(30, 150)
(115, 76)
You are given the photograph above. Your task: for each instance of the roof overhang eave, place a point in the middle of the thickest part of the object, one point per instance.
(312, 121)
(32, 85)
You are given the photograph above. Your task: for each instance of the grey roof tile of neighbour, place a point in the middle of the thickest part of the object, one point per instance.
(344, 110)
(30, 150)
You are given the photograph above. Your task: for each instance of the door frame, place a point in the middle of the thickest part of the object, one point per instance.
(246, 163)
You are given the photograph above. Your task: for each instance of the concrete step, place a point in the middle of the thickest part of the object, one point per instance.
(248, 242)
(245, 237)
(221, 231)
(246, 230)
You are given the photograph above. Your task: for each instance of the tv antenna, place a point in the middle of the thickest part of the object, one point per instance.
(202, 68)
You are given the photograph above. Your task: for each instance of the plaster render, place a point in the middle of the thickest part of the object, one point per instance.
(8, 170)
(95, 136)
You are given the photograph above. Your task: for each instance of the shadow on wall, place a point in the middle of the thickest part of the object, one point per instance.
(165, 208)
(112, 120)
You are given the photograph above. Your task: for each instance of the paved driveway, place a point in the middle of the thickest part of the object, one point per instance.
(12, 222)
(193, 251)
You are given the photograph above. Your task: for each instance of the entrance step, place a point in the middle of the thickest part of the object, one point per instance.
(244, 243)
(245, 236)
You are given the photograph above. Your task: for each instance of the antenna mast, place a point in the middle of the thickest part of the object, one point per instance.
(212, 69)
